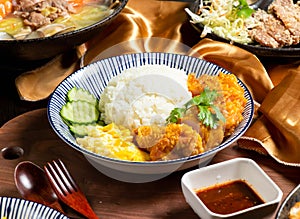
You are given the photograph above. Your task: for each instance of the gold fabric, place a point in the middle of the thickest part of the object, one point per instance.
(278, 129)
(163, 26)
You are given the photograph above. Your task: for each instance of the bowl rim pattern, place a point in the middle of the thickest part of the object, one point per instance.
(121, 62)
(18, 208)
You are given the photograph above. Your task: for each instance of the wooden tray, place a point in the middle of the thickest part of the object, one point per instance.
(30, 137)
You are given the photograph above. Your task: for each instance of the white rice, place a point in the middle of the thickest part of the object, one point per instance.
(143, 95)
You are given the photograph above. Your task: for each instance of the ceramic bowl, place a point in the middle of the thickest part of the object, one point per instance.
(95, 77)
(234, 169)
(290, 52)
(15, 208)
(13, 51)
(292, 198)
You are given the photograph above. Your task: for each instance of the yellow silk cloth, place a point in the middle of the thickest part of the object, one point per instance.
(163, 26)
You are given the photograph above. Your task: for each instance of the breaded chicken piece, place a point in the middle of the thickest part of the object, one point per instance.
(210, 137)
(235, 101)
(169, 142)
(147, 136)
(194, 85)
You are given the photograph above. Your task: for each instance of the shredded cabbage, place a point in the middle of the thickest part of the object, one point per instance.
(223, 18)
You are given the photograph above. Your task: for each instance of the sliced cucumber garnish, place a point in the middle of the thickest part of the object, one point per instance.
(80, 112)
(79, 130)
(76, 94)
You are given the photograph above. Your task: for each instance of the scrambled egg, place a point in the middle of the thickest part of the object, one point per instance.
(113, 141)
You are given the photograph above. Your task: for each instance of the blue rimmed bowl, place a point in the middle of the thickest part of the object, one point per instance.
(94, 77)
(292, 198)
(16, 208)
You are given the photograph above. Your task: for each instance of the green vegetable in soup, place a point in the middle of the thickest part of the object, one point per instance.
(11, 25)
(89, 14)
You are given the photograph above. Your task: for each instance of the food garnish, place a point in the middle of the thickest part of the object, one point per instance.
(80, 110)
(209, 114)
(243, 10)
(80, 94)
(234, 20)
(225, 18)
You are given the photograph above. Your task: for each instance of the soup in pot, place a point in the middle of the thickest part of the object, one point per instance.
(28, 19)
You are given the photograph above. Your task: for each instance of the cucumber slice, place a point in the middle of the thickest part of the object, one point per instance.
(76, 94)
(80, 112)
(79, 130)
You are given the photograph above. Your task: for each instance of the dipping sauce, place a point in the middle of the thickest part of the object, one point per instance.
(229, 197)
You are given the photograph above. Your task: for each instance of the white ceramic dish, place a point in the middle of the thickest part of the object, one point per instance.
(95, 77)
(15, 208)
(235, 169)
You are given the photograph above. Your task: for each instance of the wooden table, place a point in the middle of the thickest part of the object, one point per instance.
(111, 198)
(162, 199)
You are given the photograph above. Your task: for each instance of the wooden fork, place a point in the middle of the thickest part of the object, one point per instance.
(67, 190)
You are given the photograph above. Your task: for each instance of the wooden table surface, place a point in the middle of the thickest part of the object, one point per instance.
(110, 198)
(24, 127)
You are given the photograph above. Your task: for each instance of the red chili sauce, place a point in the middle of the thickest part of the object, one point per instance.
(229, 197)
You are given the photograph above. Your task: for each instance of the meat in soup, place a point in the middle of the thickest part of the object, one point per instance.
(26, 19)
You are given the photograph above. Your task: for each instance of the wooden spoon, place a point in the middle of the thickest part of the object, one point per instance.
(33, 185)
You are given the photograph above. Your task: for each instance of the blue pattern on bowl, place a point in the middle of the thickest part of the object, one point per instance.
(15, 208)
(96, 76)
(288, 203)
